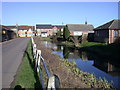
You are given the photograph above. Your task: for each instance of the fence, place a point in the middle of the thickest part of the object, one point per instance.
(53, 81)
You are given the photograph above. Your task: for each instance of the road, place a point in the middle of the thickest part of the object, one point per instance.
(12, 54)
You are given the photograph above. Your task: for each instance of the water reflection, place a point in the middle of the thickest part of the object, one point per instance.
(107, 67)
(89, 62)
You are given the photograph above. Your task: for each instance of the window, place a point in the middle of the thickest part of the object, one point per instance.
(55, 29)
(116, 33)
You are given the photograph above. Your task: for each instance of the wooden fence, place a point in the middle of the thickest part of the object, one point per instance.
(53, 81)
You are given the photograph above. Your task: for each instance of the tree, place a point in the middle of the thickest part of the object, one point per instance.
(66, 33)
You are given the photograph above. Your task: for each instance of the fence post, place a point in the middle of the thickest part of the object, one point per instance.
(53, 82)
(32, 41)
(34, 50)
(38, 60)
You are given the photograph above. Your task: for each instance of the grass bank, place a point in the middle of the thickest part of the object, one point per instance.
(27, 76)
(111, 50)
(87, 78)
(68, 43)
(88, 44)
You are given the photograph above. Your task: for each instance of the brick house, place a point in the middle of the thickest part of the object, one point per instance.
(7, 33)
(13, 28)
(25, 31)
(80, 29)
(79, 32)
(108, 32)
(57, 28)
(44, 30)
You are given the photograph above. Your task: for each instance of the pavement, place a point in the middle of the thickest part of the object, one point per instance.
(12, 54)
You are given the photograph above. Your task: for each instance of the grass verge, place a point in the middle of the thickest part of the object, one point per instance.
(27, 76)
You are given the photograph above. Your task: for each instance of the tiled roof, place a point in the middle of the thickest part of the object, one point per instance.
(25, 27)
(43, 26)
(32, 27)
(5, 27)
(80, 27)
(59, 26)
(114, 24)
(11, 27)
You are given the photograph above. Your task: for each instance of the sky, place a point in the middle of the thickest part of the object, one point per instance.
(56, 13)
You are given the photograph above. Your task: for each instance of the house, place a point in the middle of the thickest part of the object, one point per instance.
(25, 31)
(13, 28)
(44, 30)
(7, 33)
(79, 32)
(44, 34)
(30, 32)
(108, 32)
(57, 28)
(80, 29)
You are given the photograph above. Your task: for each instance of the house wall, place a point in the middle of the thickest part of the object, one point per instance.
(25, 33)
(44, 35)
(9, 34)
(112, 38)
(29, 33)
(101, 35)
(55, 30)
(49, 31)
(21, 33)
(15, 30)
(38, 32)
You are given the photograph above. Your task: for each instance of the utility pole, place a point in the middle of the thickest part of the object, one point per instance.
(86, 21)
(62, 23)
(17, 29)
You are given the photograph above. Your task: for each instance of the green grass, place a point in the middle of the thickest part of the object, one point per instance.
(46, 37)
(87, 44)
(27, 76)
(102, 47)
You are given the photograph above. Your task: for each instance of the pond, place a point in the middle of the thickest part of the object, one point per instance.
(88, 62)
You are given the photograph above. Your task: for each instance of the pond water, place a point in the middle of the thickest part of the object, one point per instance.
(88, 62)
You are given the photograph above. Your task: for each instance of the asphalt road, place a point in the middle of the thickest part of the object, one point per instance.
(12, 54)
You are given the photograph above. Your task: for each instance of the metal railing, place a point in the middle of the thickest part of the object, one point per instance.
(53, 81)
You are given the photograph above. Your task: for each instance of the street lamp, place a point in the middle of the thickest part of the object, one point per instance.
(4, 32)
